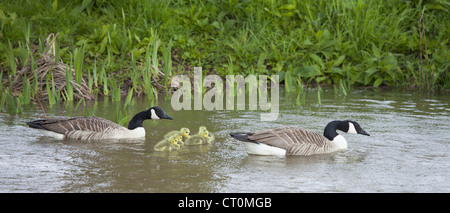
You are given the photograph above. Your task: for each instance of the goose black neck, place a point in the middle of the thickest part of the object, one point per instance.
(330, 130)
(137, 120)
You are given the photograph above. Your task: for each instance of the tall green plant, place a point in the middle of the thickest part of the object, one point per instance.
(11, 59)
(69, 87)
(167, 56)
(78, 64)
(26, 91)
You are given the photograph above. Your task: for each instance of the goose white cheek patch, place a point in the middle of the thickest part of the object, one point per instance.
(351, 129)
(154, 116)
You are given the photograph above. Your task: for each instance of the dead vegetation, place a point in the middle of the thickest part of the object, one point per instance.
(46, 65)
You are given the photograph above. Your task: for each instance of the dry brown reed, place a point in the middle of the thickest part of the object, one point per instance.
(46, 65)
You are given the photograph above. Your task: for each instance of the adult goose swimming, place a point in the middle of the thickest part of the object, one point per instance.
(297, 140)
(95, 128)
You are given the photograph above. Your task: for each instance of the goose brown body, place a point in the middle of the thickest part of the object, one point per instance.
(295, 140)
(298, 141)
(95, 128)
(85, 128)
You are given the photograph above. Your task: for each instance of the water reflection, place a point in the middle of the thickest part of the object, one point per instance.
(406, 152)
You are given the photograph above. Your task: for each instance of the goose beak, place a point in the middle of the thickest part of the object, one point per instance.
(364, 133)
(165, 116)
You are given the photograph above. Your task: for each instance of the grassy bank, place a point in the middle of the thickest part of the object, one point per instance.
(135, 47)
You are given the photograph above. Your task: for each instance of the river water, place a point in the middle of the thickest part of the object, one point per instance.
(408, 150)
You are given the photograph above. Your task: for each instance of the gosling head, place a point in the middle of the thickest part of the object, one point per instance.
(203, 129)
(175, 140)
(180, 139)
(185, 132)
(204, 133)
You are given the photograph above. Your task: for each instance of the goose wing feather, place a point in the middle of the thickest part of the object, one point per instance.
(295, 140)
(82, 127)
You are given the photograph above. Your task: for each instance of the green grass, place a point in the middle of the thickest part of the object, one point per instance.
(345, 43)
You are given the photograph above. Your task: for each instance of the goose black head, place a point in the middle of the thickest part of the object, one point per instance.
(355, 128)
(158, 113)
(152, 113)
(347, 126)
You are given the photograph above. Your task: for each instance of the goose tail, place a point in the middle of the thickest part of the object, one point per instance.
(242, 136)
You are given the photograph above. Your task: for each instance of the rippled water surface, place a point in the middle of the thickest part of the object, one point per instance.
(408, 150)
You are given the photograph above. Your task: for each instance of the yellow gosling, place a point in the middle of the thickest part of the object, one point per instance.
(185, 132)
(202, 137)
(168, 144)
(211, 136)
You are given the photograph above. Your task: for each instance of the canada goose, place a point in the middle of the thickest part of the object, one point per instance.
(95, 128)
(168, 144)
(298, 141)
(202, 137)
(185, 133)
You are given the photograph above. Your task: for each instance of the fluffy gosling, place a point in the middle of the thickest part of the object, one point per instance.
(185, 132)
(210, 134)
(169, 144)
(202, 137)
